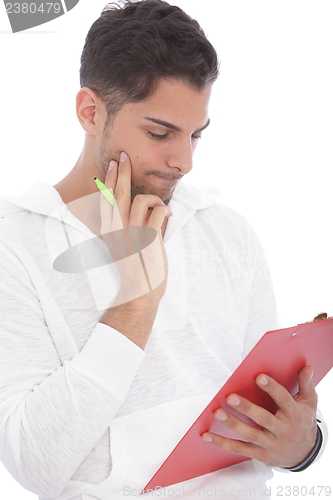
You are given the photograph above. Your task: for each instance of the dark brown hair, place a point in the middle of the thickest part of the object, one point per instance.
(130, 47)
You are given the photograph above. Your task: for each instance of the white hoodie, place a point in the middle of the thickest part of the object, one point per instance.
(85, 413)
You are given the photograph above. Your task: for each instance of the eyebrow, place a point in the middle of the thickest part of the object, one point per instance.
(174, 127)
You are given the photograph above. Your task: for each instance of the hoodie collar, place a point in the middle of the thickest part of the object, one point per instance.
(44, 199)
(186, 200)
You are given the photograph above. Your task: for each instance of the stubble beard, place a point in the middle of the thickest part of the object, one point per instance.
(141, 189)
(105, 156)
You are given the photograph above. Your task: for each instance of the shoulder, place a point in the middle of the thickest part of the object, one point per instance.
(21, 225)
(22, 244)
(227, 215)
(22, 218)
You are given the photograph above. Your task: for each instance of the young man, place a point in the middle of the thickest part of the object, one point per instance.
(106, 365)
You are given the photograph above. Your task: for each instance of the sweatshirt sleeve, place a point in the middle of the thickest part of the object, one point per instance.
(53, 415)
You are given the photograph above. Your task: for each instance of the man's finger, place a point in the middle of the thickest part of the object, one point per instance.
(277, 392)
(234, 445)
(111, 176)
(140, 206)
(259, 415)
(307, 391)
(246, 431)
(123, 188)
(158, 216)
(106, 209)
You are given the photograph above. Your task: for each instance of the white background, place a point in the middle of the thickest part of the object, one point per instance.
(268, 149)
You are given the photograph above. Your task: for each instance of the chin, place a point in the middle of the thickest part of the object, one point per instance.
(166, 201)
(165, 196)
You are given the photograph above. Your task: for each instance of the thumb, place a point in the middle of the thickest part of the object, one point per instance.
(306, 385)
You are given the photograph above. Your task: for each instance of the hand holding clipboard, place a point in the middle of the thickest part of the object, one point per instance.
(280, 354)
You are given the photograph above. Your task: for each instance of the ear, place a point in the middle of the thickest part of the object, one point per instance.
(90, 111)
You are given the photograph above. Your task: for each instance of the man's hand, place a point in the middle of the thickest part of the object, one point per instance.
(143, 274)
(285, 438)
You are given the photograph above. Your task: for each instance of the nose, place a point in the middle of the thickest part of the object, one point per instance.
(180, 156)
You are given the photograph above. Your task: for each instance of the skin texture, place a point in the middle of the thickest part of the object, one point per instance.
(143, 180)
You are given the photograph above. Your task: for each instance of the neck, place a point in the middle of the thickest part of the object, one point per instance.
(79, 181)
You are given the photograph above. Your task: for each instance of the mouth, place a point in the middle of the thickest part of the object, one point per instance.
(170, 181)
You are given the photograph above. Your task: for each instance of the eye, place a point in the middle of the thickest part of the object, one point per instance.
(165, 136)
(157, 136)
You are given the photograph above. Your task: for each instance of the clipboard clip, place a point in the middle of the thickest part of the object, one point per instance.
(319, 317)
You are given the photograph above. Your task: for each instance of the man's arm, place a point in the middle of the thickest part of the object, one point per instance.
(135, 318)
(53, 412)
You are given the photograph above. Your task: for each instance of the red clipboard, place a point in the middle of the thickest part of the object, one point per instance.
(281, 354)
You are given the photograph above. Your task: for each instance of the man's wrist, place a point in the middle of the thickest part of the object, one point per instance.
(310, 458)
(133, 319)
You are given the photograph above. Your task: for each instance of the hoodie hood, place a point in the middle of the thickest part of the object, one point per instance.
(40, 198)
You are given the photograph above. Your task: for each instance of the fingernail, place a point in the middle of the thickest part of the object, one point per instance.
(234, 400)
(207, 438)
(123, 156)
(263, 380)
(221, 415)
(112, 164)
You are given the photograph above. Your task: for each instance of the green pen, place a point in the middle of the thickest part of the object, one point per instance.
(104, 190)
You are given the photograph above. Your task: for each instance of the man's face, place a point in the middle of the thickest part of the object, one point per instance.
(160, 135)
